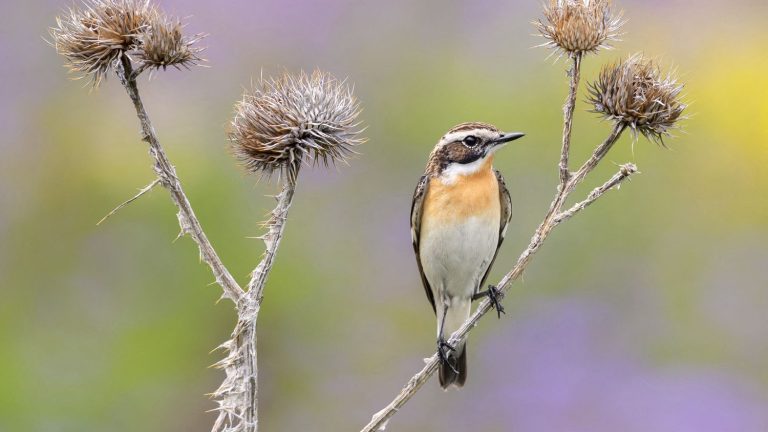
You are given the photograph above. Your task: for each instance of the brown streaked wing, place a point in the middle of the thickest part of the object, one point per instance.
(416, 208)
(506, 216)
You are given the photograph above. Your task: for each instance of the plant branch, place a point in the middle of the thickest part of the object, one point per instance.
(551, 220)
(598, 155)
(575, 74)
(275, 227)
(238, 394)
(142, 191)
(167, 177)
(625, 171)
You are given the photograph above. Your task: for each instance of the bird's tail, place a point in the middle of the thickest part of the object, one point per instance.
(454, 370)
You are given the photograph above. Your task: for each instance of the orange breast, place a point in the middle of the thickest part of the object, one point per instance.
(470, 195)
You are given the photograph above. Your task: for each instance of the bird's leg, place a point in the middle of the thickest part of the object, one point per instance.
(494, 296)
(442, 353)
(442, 346)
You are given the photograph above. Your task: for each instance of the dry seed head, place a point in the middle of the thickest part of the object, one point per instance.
(576, 27)
(93, 37)
(163, 45)
(635, 92)
(284, 122)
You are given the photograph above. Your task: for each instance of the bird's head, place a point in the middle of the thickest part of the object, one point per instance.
(466, 148)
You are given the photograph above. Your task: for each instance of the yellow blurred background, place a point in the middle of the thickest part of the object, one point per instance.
(647, 312)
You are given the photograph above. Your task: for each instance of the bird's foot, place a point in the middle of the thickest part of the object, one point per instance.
(443, 348)
(494, 296)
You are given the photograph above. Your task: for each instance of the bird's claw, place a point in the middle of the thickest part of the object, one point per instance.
(443, 348)
(494, 296)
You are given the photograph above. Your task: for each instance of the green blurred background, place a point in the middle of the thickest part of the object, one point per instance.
(647, 312)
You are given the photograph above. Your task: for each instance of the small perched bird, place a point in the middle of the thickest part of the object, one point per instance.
(459, 216)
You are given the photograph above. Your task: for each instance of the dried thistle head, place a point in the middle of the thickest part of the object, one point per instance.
(576, 27)
(284, 122)
(163, 44)
(93, 37)
(636, 93)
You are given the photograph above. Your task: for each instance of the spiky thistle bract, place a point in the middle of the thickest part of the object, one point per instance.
(637, 93)
(92, 37)
(283, 122)
(579, 26)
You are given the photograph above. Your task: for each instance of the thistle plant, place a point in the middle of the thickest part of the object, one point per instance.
(576, 27)
(284, 122)
(631, 93)
(163, 44)
(278, 126)
(635, 93)
(95, 37)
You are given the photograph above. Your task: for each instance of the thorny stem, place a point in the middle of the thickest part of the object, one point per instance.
(553, 218)
(141, 193)
(598, 154)
(238, 394)
(167, 175)
(275, 226)
(241, 359)
(575, 74)
(625, 171)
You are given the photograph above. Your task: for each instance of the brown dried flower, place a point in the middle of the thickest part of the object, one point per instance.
(579, 26)
(635, 92)
(93, 37)
(163, 45)
(283, 122)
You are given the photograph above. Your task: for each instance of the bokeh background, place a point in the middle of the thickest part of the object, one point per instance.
(647, 312)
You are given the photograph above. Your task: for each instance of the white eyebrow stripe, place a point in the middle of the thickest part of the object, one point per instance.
(458, 136)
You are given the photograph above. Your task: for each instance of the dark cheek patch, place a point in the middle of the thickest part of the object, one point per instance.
(458, 152)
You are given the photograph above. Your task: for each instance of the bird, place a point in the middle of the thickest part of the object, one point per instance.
(459, 216)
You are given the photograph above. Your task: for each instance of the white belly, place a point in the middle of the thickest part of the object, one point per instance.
(455, 256)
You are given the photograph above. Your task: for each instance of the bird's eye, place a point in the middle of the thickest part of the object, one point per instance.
(470, 141)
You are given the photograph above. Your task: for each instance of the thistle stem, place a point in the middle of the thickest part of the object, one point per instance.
(167, 174)
(597, 155)
(276, 226)
(575, 75)
(625, 171)
(238, 394)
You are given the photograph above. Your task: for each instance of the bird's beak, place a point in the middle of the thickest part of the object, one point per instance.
(507, 137)
(502, 140)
